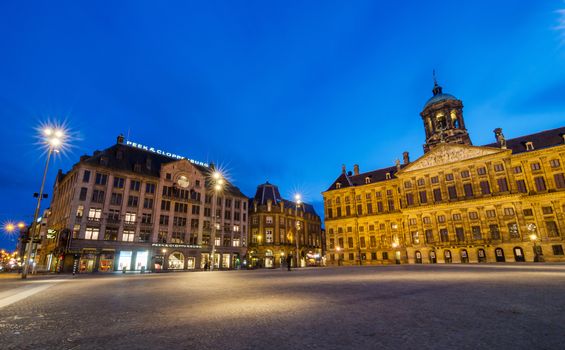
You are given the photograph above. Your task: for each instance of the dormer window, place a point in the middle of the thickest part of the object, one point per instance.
(338, 185)
(137, 167)
(387, 176)
(148, 163)
(367, 180)
(529, 146)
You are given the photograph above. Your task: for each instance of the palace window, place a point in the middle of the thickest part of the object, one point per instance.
(407, 184)
(517, 169)
(409, 199)
(269, 236)
(460, 234)
(473, 215)
(552, 230)
(449, 177)
(513, 230)
(521, 184)
(536, 166)
(468, 189)
(452, 191)
(557, 249)
(476, 232)
(540, 183)
(435, 179)
(441, 218)
(508, 211)
(429, 236)
(485, 187)
(559, 180)
(554, 163)
(427, 220)
(528, 212)
(416, 237)
(444, 235)
(494, 231)
(502, 184)
(423, 197)
(465, 174)
(421, 182)
(491, 213)
(456, 217)
(437, 195)
(482, 171)
(499, 167)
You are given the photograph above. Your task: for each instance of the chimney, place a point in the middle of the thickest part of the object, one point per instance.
(356, 169)
(405, 158)
(343, 169)
(120, 139)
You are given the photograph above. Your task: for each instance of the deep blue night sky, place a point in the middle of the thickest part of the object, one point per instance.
(284, 91)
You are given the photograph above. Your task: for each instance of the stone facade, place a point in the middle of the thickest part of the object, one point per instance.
(457, 203)
(130, 208)
(279, 227)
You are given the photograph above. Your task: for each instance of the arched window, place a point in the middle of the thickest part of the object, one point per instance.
(440, 121)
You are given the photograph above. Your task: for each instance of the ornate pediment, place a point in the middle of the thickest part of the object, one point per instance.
(450, 153)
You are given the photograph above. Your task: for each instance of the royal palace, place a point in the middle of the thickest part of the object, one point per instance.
(458, 203)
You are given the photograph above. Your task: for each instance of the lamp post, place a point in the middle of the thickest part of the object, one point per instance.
(396, 252)
(218, 183)
(338, 250)
(538, 257)
(164, 259)
(54, 139)
(298, 201)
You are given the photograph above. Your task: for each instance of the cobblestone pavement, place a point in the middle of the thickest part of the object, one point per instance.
(388, 307)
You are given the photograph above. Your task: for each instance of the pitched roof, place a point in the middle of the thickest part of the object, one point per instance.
(358, 180)
(268, 191)
(125, 158)
(540, 140)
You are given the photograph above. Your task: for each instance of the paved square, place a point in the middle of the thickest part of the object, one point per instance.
(388, 307)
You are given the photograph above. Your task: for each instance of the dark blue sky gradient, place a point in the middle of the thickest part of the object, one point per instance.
(282, 91)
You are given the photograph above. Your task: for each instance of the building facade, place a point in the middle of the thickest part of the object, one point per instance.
(279, 227)
(458, 203)
(131, 207)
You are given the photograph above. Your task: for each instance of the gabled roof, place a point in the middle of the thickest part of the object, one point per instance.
(358, 180)
(540, 140)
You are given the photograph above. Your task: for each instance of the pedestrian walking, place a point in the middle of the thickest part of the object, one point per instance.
(288, 261)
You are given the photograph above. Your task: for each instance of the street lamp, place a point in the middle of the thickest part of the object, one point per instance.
(217, 182)
(53, 138)
(538, 256)
(396, 252)
(164, 258)
(338, 250)
(298, 201)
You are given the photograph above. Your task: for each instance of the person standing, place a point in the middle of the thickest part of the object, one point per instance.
(288, 261)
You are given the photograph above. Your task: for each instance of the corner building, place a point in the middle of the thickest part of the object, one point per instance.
(280, 227)
(458, 203)
(130, 207)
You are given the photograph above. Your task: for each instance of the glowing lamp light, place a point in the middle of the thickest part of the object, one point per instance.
(48, 131)
(9, 227)
(218, 187)
(21, 225)
(59, 133)
(394, 244)
(533, 236)
(216, 175)
(298, 198)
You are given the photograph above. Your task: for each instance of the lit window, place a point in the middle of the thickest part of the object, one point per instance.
(91, 233)
(127, 236)
(94, 214)
(130, 218)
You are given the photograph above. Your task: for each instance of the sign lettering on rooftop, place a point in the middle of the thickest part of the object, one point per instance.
(163, 153)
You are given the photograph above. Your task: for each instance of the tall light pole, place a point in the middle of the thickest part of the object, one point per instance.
(54, 139)
(298, 201)
(217, 183)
